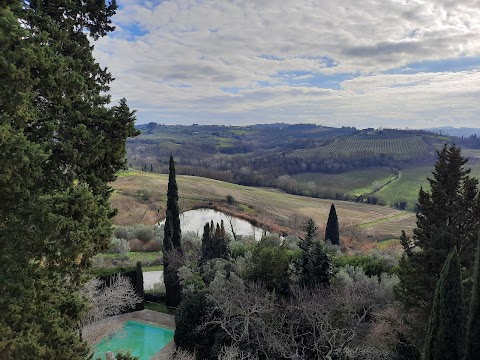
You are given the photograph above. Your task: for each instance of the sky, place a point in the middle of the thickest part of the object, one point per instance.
(370, 63)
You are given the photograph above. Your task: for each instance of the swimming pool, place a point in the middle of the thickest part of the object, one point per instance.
(139, 339)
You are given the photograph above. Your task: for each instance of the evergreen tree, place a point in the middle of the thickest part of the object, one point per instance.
(214, 242)
(172, 248)
(60, 145)
(472, 345)
(448, 216)
(313, 266)
(446, 333)
(331, 232)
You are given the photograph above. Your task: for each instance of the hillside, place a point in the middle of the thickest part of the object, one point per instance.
(140, 198)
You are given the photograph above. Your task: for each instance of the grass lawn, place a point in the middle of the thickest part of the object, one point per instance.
(159, 307)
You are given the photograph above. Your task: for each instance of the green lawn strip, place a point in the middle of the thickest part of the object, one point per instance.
(158, 307)
(381, 221)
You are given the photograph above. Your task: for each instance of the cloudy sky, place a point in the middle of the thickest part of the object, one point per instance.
(369, 63)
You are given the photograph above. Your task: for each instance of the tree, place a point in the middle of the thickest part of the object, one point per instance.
(313, 267)
(214, 242)
(448, 217)
(472, 344)
(445, 333)
(172, 248)
(331, 231)
(60, 146)
(106, 300)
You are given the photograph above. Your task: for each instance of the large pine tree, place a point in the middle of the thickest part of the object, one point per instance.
(472, 345)
(446, 332)
(448, 216)
(331, 232)
(172, 247)
(60, 145)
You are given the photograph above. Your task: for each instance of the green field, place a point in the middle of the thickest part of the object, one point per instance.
(401, 148)
(271, 207)
(408, 184)
(352, 182)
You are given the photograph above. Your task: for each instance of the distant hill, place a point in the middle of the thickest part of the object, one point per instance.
(452, 131)
(276, 155)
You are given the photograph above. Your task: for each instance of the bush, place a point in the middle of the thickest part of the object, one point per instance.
(136, 245)
(152, 246)
(371, 265)
(270, 266)
(231, 200)
(190, 314)
(139, 231)
(118, 246)
(144, 233)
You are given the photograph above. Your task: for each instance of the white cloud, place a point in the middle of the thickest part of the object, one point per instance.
(275, 57)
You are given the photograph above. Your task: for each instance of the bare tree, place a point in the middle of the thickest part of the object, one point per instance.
(108, 300)
(320, 323)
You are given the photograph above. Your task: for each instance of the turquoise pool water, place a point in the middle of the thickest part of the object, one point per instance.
(139, 339)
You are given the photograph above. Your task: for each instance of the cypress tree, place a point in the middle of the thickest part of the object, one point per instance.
(445, 333)
(172, 249)
(331, 231)
(472, 345)
(61, 143)
(448, 216)
(214, 242)
(172, 206)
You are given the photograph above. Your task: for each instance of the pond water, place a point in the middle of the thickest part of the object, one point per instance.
(139, 339)
(194, 220)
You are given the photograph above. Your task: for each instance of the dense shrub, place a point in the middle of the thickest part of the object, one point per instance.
(144, 233)
(270, 266)
(139, 231)
(118, 246)
(136, 245)
(371, 265)
(189, 316)
(152, 246)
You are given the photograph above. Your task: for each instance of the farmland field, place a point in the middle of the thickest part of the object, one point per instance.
(352, 182)
(409, 182)
(399, 148)
(140, 198)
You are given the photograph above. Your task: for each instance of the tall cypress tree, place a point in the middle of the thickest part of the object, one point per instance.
(331, 231)
(472, 344)
(172, 248)
(448, 217)
(446, 331)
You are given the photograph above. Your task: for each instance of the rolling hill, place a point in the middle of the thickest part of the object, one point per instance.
(140, 198)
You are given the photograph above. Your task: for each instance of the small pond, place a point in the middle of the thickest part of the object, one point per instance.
(194, 220)
(139, 339)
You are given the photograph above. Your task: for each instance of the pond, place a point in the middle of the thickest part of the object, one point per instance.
(194, 220)
(137, 338)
